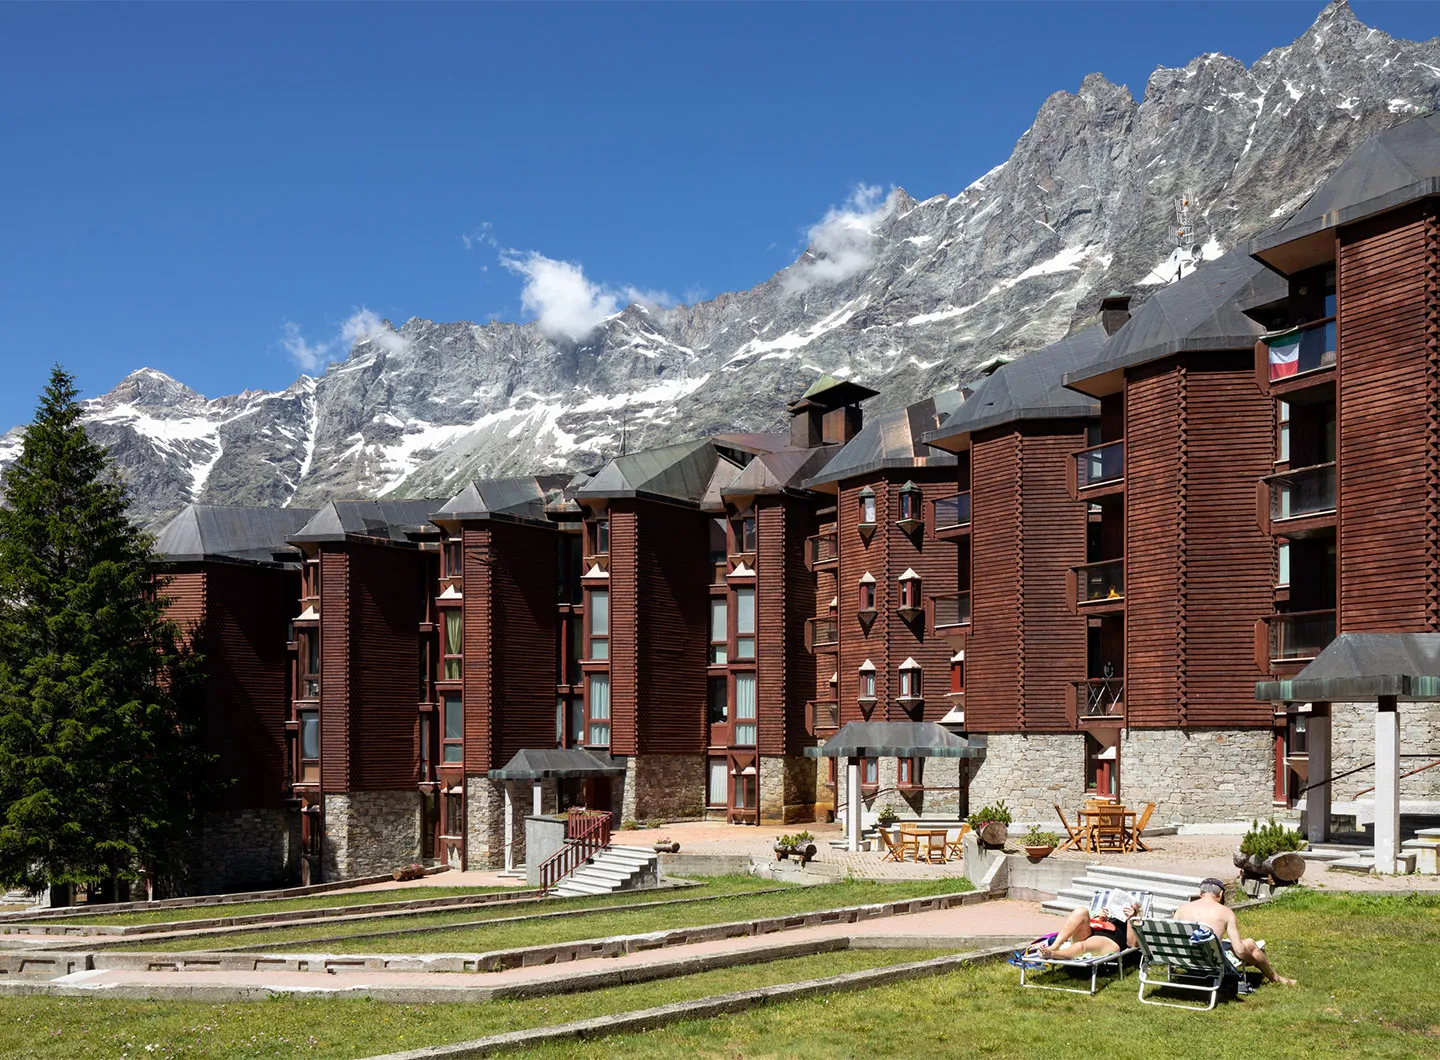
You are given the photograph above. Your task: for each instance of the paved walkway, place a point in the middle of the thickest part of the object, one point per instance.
(947, 928)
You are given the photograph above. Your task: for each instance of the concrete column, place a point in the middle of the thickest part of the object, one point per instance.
(852, 801)
(535, 803)
(509, 830)
(1387, 784)
(1317, 799)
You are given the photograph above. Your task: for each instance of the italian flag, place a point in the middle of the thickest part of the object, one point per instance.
(1284, 353)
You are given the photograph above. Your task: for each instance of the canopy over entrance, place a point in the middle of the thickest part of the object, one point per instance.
(555, 763)
(1386, 668)
(897, 739)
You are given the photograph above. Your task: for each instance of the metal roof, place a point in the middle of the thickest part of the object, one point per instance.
(892, 440)
(390, 520)
(835, 393)
(897, 739)
(1029, 388)
(547, 762)
(1198, 312)
(785, 469)
(1363, 666)
(216, 531)
(1390, 169)
(680, 473)
(520, 499)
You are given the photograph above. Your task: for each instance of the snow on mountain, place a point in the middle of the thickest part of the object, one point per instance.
(908, 296)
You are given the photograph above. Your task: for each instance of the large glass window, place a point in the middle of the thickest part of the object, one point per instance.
(599, 612)
(718, 787)
(309, 655)
(453, 823)
(1282, 441)
(745, 791)
(719, 705)
(599, 706)
(309, 745)
(452, 747)
(1282, 556)
(744, 623)
(719, 630)
(745, 710)
(454, 644)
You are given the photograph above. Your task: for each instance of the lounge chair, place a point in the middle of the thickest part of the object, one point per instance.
(1201, 966)
(1035, 963)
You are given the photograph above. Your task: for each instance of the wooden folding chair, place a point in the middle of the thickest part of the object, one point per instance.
(1108, 832)
(909, 840)
(1139, 829)
(1076, 834)
(894, 851)
(955, 848)
(934, 846)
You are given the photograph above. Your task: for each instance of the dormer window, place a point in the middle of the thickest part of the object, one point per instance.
(910, 680)
(867, 507)
(742, 530)
(867, 680)
(867, 592)
(910, 604)
(909, 498)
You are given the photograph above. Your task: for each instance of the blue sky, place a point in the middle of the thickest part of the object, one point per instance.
(212, 190)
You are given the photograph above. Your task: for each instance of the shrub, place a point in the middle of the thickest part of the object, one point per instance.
(629, 825)
(886, 817)
(1267, 840)
(1033, 837)
(796, 841)
(996, 812)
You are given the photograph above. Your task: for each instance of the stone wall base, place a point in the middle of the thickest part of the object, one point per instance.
(485, 820)
(1031, 772)
(787, 789)
(662, 787)
(1196, 775)
(370, 832)
(1352, 744)
(247, 850)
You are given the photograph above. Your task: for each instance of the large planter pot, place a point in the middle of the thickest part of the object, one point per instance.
(992, 834)
(1036, 853)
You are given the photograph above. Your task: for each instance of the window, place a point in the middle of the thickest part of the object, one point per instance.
(744, 623)
(830, 771)
(454, 648)
(309, 658)
(745, 710)
(745, 790)
(569, 567)
(719, 630)
(869, 772)
(309, 745)
(600, 537)
(450, 561)
(719, 700)
(576, 711)
(452, 746)
(1282, 440)
(867, 594)
(717, 788)
(910, 682)
(957, 676)
(424, 746)
(1100, 762)
(909, 502)
(310, 580)
(867, 681)
(1297, 739)
(599, 708)
(1282, 563)
(454, 823)
(1329, 288)
(599, 614)
(910, 590)
(907, 772)
(867, 506)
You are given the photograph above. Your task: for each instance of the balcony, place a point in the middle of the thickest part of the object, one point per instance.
(952, 515)
(822, 634)
(1098, 471)
(821, 551)
(1294, 355)
(1294, 637)
(1099, 699)
(1301, 501)
(951, 610)
(1099, 587)
(824, 714)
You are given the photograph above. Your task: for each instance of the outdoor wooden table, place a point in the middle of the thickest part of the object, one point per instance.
(934, 843)
(1090, 819)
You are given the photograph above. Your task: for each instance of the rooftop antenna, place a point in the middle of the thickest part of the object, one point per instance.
(1189, 246)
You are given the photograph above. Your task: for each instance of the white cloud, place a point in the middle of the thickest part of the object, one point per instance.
(361, 326)
(842, 242)
(565, 301)
(482, 235)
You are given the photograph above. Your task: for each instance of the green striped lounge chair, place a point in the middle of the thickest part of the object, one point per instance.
(1200, 967)
(1030, 962)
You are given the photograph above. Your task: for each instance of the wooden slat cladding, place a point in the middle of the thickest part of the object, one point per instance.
(479, 572)
(1388, 577)
(800, 593)
(247, 687)
(334, 670)
(1052, 538)
(185, 588)
(992, 649)
(1228, 560)
(673, 547)
(774, 590)
(388, 587)
(858, 557)
(936, 563)
(1153, 529)
(524, 674)
(624, 630)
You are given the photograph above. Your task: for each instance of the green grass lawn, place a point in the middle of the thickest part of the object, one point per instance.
(273, 905)
(80, 1029)
(1369, 971)
(591, 918)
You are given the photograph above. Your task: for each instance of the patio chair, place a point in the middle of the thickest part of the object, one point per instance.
(955, 847)
(935, 843)
(1093, 963)
(1200, 966)
(909, 840)
(1108, 832)
(1076, 835)
(894, 850)
(1135, 842)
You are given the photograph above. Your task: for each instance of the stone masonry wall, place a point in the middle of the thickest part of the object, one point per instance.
(1352, 744)
(941, 778)
(370, 832)
(245, 850)
(485, 820)
(663, 787)
(1196, 775)
(787, 789)
(1032, 772)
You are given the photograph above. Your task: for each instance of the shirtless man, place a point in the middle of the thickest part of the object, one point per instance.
(1081, 934)
(1210, 909)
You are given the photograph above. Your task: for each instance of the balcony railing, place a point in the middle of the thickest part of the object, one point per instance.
(821, 550)
(1100, 697)
(952, 609)
(1300, 635)
(1301, 350)
(824, 714)
(951, 513)
(1302, 493)
(1100, 465)
(821, 633)
(1097, 583)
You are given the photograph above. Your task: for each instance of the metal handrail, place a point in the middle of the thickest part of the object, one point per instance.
(1104, 696)
(587, 832)
(822, 548)
(952, 512)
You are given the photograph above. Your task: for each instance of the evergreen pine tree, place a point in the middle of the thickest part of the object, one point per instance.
(99, 758)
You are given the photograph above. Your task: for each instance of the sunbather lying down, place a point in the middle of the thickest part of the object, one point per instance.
(1210, 909)
(1083, 935)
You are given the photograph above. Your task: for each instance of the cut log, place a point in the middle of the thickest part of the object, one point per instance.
(993, 834)
(1286, 868)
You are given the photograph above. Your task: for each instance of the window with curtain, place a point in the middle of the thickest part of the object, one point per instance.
(719, 630)
(454, 644)
(869, 772)
(867, 508)
(867, 684)
(599, 708)
(719, 785)
(452, 748)
(867, 596)
(744, 623)
(600, 624)
(745, 710)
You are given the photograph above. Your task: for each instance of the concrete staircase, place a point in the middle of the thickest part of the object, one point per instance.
(612, 869)
(1169, 890)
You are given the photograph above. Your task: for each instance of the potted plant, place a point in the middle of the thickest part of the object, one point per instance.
(801, 845)
(991, 824)
(666, 845)
(1271, 851)
(886, 818)
(1038, 844)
